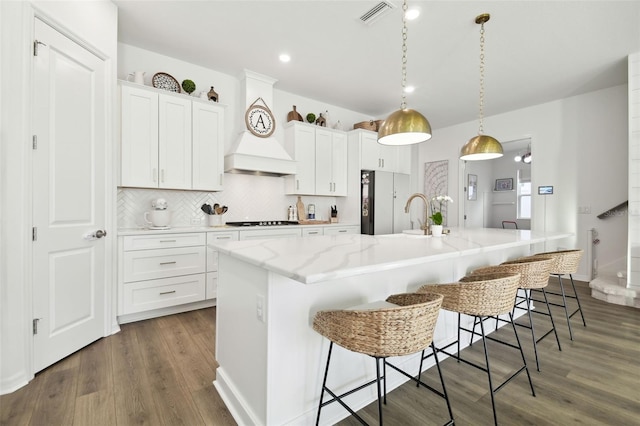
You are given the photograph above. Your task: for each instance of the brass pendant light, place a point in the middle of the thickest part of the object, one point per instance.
(481, 147)
(405, 126)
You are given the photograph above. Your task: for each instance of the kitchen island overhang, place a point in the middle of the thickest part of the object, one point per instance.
(270, 358)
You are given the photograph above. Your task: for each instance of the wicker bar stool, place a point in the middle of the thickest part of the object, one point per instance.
(566, 262)
(534, 274)
(482, 296)
(403, 326)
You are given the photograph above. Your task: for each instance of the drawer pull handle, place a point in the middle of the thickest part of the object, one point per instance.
(223, 238)
(167, 292)
(313, 233)
(342, 230)
(168, 263)
(167, 241)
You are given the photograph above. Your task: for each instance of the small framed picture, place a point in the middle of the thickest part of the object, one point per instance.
(472, 187)
(545, 190)
(505, 184)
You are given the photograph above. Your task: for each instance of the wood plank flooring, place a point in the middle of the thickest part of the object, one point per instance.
(159, 372)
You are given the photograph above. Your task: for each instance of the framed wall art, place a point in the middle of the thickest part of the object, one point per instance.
(472, 187)
(505, 184)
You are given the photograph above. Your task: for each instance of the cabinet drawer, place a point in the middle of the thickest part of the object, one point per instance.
(155, 294)
(263, 234)
(145, 242)
(222, 236)
(162, 263)
(342, 230)
(211, 287)
(312, 232)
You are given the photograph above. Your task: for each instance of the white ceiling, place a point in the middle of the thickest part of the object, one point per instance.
(536, 51)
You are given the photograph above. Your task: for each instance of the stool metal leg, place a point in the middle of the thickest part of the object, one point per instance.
(444, 389)
(324, 383)
(566, 310)
(533, 334)
(533, 392)
(577, 300)
(379, 391)
(486, 359)
(553, 324)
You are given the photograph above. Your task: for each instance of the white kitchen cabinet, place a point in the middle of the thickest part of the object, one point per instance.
(300, 142)
(339, 230)
(160, 271)
(170, 140)
(212, 261)
(208, 146)
(374, 156)
(280, 232)
(321, 155)
(312, 232)
(331, 162)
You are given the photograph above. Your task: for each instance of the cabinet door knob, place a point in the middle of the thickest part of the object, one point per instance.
(101, 233)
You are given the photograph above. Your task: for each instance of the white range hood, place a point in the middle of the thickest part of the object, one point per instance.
(252, 154)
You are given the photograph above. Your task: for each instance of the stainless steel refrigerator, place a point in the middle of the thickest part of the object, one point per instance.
(383, 197)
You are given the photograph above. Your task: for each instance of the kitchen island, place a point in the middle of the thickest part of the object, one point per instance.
(270, 359)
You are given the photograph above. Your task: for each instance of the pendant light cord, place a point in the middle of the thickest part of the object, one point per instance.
(481, 102)
(403, 104)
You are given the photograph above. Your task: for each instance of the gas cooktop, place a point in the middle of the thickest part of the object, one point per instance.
(263, 223)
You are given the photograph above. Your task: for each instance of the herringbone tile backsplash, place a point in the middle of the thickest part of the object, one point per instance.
(247, 197)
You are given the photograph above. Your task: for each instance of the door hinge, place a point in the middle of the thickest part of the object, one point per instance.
(35, 47)
(34, 234)
(35, 325)
(34, 142)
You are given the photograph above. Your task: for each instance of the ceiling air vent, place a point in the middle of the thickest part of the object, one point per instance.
(377, 11)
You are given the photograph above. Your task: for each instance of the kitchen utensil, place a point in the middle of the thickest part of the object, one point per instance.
(206, 208)
(224, 209)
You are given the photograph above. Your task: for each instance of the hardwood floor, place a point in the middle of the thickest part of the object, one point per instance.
(159, 372)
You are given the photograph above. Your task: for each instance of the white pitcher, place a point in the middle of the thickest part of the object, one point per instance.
(138, 77)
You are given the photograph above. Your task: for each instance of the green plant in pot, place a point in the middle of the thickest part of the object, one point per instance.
(311, 117)
(188, 86)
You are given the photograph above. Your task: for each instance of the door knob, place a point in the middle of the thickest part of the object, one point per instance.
(100, 233)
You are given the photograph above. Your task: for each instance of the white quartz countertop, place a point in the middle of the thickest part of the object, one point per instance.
(323, 258)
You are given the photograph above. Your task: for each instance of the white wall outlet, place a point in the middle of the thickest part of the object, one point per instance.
(196, 221)
(261, 308)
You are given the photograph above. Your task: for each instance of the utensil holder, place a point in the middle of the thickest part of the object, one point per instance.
(215, 220)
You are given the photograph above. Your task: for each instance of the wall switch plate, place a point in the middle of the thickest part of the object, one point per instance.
(584, 209)
(196, 221)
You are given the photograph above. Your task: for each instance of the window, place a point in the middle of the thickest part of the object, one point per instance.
(524, 194)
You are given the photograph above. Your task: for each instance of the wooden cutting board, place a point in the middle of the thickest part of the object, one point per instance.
(313, 222)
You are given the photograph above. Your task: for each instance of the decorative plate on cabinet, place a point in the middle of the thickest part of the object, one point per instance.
(162, 80)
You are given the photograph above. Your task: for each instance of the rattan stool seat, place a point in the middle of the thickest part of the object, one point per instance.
(566, 262)
(482, 295)
(403, 325)
(534, 274)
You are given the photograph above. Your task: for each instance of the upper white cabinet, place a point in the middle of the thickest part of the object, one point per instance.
(321, 155)
(170, 140)
(300, 143)
(331, 162)
(208, 146)
(374, 156)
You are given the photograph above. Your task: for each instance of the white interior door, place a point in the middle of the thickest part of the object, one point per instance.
(69, 118)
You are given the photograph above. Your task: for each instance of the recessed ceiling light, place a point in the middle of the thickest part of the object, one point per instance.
(409, 89)
(285, 58)
(412, 14)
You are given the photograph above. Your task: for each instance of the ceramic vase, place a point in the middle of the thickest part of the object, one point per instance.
(436, 230)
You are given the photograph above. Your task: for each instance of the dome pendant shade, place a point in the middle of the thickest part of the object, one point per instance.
(481, 147)
(404, 127)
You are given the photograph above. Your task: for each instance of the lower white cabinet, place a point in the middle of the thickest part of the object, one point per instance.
(211, 286)
(160, 271)
(162, 293)
(337, 230)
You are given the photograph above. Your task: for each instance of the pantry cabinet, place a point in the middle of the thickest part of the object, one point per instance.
(169, 140)
(321, 155)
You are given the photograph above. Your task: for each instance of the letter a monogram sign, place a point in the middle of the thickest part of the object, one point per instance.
(259, 119)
